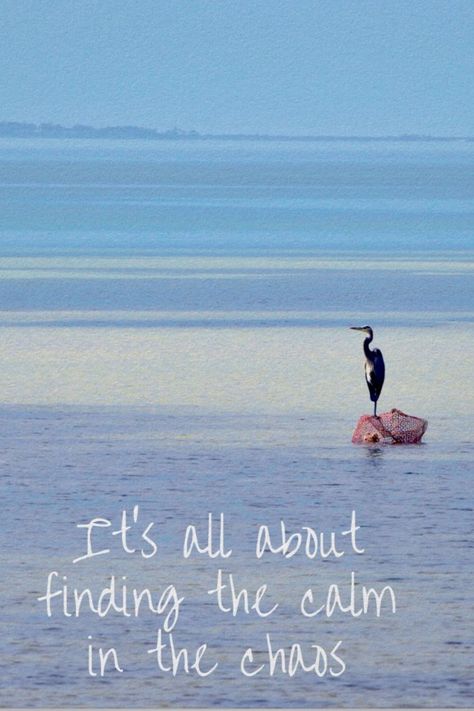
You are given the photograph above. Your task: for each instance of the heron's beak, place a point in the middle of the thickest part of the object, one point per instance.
(356, 328)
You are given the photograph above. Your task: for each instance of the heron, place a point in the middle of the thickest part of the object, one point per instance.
(374, 366)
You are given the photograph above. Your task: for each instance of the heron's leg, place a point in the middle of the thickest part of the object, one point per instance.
(375, 408)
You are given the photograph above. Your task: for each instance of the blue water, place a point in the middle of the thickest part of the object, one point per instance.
(78, 197)
(174, 319)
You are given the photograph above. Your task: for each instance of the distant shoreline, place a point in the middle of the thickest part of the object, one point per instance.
(15, 129)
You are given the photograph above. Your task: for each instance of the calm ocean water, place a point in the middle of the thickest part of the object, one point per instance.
(175, 336)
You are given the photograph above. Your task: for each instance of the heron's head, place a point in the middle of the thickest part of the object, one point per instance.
(364, 329)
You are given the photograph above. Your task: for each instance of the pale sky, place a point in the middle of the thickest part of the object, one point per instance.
(270, 66)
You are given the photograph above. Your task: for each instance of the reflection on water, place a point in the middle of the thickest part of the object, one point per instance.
(374, 455)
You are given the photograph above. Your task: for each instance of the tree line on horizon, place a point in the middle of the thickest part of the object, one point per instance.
(18, 129)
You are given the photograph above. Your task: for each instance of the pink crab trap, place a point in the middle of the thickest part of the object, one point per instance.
(393, 427)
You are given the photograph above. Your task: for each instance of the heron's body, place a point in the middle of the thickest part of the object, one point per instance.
(374, 366)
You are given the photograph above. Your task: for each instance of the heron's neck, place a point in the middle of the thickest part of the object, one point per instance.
(367, 350)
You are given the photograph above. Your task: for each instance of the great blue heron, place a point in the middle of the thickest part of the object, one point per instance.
(374, 366)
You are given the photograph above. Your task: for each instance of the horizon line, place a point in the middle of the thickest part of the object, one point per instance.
(25, 129)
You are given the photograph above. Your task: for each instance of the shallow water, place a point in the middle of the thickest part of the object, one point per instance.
(174, 336)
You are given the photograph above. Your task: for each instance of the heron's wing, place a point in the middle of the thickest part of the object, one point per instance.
(375, 374)
(378, 369)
